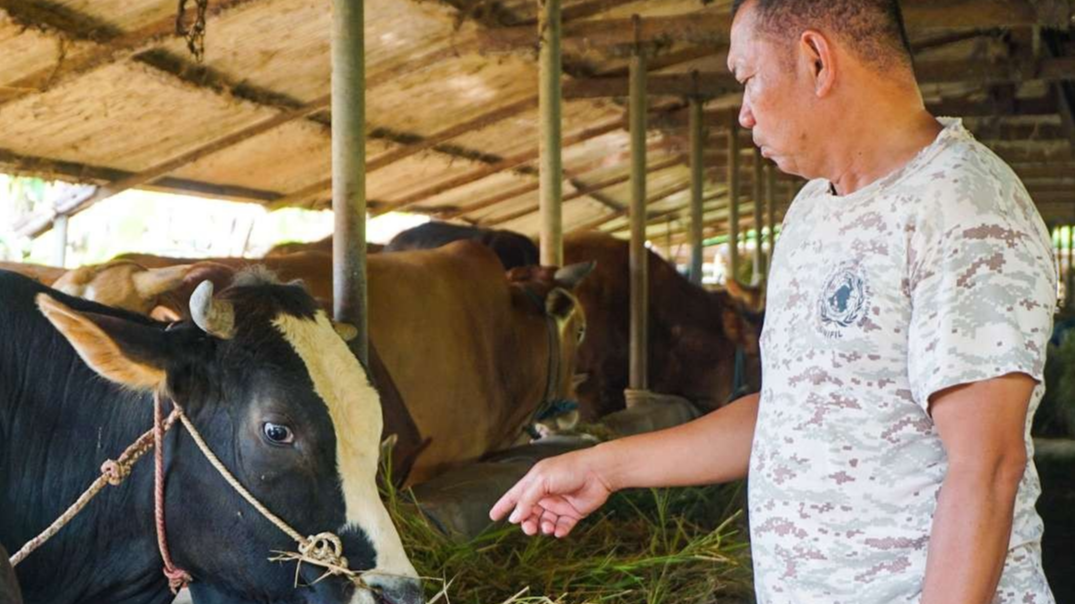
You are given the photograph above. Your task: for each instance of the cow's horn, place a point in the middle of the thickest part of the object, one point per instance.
(571, 275)
(215, 317)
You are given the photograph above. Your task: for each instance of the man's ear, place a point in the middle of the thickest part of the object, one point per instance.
(818, 54)
(126, 352)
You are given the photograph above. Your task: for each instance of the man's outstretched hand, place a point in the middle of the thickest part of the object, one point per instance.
(555, 494)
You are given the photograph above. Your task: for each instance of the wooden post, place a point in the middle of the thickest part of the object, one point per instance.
(59, 225)
(770, 210)
(551, 171)
(639, 379)
(759, 219)
(349, 171)
(696, 125)
(733, 197)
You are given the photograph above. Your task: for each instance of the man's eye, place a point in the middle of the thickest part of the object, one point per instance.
(278, 433)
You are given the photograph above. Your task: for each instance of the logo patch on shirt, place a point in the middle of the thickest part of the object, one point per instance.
(843, 300)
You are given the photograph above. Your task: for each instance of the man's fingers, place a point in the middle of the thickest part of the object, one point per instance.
(532, 492)
(559, 506)
(506, 502)
(564, 524)
(548, 522)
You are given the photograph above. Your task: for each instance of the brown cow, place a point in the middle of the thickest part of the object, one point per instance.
(475, 355)
(693, 334)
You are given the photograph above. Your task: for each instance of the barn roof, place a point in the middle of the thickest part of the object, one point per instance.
(103, 91)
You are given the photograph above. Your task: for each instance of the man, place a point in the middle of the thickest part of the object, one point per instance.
(910, 301)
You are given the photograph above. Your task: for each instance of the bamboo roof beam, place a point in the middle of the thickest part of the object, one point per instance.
(660, 196)
(718, 83)
(507, 164)
(581, 190)
(712, 27)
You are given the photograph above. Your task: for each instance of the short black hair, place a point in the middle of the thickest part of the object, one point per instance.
(874, 29)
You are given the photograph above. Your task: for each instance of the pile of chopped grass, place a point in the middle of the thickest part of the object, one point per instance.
(679, 546)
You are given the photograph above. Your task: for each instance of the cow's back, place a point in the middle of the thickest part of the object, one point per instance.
(513, 249)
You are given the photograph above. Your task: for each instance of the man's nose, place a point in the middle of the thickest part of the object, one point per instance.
(746, 116)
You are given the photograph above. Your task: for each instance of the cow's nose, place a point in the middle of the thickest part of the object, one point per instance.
(395, 589)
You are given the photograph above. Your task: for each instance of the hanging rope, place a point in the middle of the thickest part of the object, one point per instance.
(194, 33)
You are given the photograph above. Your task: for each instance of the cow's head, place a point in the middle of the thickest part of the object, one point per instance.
(554, 288)
(278, 396)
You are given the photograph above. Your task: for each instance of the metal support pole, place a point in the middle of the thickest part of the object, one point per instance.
(59, 227)
(759, 219)
(349, 170)
(733, 198)
(639, 379)
(551, 171)
(1068, 272)
(696, 125)
(770, 210)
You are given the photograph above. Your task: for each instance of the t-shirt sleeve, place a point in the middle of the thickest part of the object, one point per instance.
(982, 299)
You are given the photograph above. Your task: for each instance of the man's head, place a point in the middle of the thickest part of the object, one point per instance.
(809, 67)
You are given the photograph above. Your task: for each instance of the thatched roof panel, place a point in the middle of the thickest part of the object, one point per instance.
(127, 116)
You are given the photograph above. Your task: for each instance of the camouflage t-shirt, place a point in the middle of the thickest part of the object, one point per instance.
(937, 275)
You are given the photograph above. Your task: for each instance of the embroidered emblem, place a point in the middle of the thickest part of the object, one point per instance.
(843, 300)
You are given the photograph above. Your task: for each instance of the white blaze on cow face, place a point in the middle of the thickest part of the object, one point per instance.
(355, 409)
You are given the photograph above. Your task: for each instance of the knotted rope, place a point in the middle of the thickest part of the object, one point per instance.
(113, 473)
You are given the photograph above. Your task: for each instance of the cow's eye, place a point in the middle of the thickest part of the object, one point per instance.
(278, 433)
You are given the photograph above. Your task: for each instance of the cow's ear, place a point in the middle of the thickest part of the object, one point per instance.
(559, 303)
(126, 352)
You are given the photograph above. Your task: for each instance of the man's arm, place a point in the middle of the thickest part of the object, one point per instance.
(711, 449)
(560, 491)
(982, 427)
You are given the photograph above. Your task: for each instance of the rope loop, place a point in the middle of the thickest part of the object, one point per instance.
(324, 548)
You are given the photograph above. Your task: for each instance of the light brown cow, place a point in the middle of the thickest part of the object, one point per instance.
(475, 354)
(45, 275)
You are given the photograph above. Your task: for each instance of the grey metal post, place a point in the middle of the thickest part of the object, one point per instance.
(696, 125)
(349, 170)
(733, 197)
(639, 379)
(551, 172)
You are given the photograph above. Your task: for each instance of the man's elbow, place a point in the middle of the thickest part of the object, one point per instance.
(1001, 473)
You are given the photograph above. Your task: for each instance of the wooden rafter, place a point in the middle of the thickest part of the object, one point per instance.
(711, 26)
(581, 190)
(510, 162)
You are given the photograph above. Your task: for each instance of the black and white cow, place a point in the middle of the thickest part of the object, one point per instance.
(275, 392)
